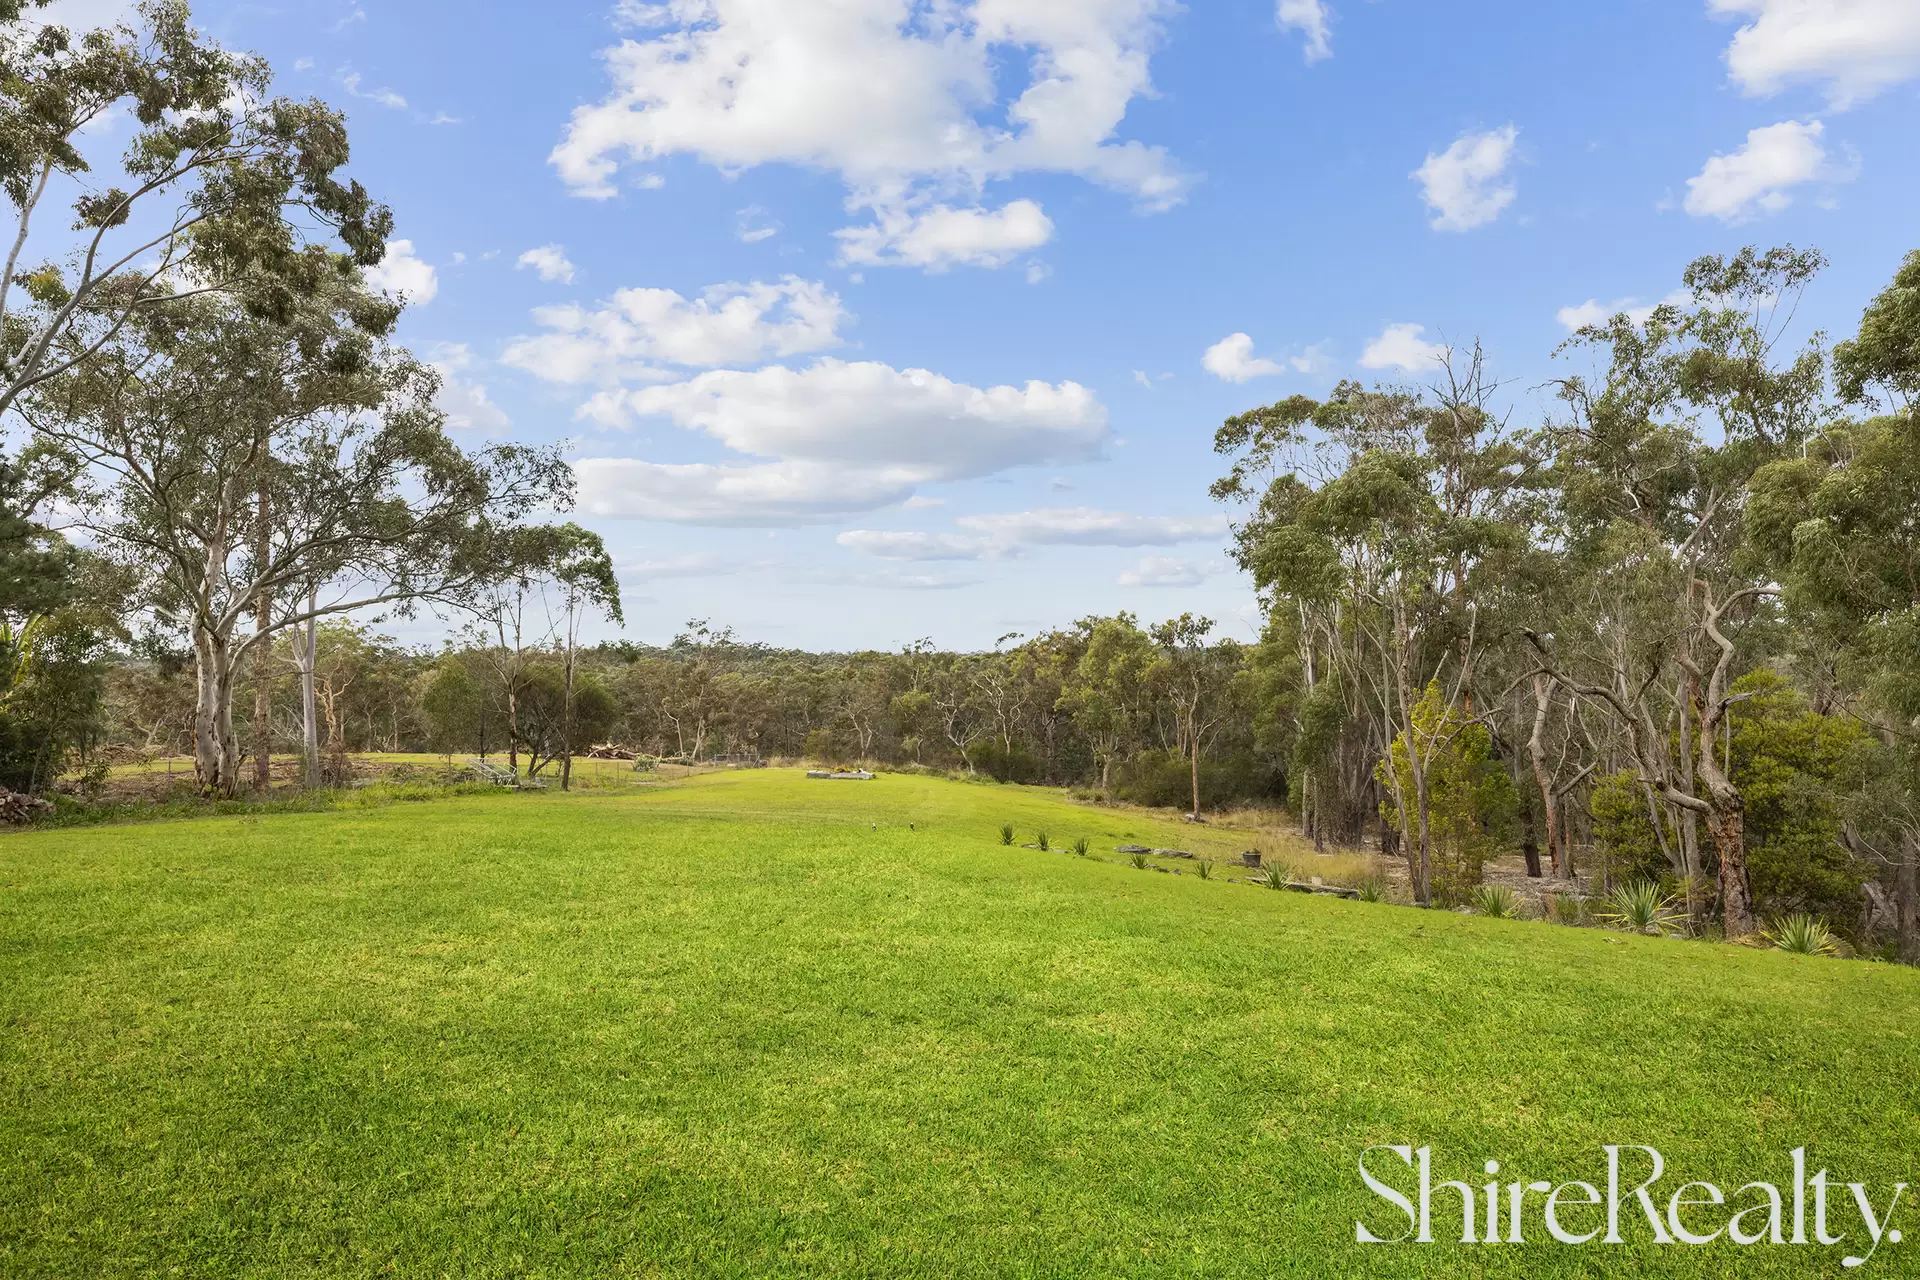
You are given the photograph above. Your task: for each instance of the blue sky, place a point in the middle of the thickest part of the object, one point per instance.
(956, 299)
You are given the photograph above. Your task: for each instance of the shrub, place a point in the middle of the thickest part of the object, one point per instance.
(1203, 869)
(1274, 875)
(1006, 834)
(1080, 847)
(1041, 840)
(1471, 798)
(1372, 889)
(1496, 901)
(1140, 862)
(1801, 934)
(1566, 909)
(1639, 906)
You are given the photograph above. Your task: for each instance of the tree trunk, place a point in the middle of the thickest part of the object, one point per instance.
(566, 712)
(1196, 777)
(1543, 779)
(309, 646)
(216, 756)
(1906, 894)
(262, 668)
(1727, 824)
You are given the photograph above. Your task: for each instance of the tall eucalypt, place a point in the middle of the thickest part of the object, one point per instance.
(221, 187)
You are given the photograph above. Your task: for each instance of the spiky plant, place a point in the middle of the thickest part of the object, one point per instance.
(1006, 834)
(1203, 869)
(1274, 875)
(1080, 847)
(1372, 889)
(1140, 862)
(1640, 906)
(1042, 840)
(1802, 935)
(1496, 901)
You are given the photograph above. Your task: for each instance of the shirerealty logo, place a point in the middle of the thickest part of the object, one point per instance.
(1802, 1209)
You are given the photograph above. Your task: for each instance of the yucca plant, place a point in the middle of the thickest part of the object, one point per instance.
(1006, 834)
(1274, 875)
(1802, 935)
(1639, 906)
(1140, 862)
(1372, 889)
(1203, 869)
(1080, 847)
(1042, 840)
(1496, 901)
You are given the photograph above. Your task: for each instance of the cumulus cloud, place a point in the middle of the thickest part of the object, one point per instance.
(906, 112)
(1164, 571)
(1232, 360)
(1005, 535)
(633, 335)
(942, 236)
(467, 405)
(843, 438)
(1465, 185)
(1593, 311)
(1857, 47)
(923, 546)
(1088, 527)
(1400, 346)
(403, 274)
(1312, 19)
(1758, 177)
(550, 261)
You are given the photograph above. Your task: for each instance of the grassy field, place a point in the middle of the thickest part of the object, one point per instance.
(748, 1025)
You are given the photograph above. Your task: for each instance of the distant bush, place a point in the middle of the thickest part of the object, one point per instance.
(1018, 765)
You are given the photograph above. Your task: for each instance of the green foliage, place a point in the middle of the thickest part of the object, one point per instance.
(1273, 875)
(1801, 934)
(1566, 908)
(54, 705)
(1639, 906)
(1496, 901)
(1139, 861)
(1623, 828)
(1472, 803)
(1204, 869)
(1041, 840)
(1080, 847)
(1372, 889)
(1006, 833)
(1793, 768)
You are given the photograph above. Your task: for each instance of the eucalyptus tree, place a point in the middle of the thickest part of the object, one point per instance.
(1195, 682)
(1377, 519)
(1106, 692)
(1654, 461)
(220, 186)
(583, 578)
(232, 456)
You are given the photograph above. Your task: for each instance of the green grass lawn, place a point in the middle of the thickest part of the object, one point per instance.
(753, 1026)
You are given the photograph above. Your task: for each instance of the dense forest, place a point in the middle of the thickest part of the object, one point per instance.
(1670, 630)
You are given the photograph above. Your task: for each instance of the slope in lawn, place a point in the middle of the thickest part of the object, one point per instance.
(754, 1026)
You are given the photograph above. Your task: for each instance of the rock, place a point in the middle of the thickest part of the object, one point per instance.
(1131, 848)
(1174, 853)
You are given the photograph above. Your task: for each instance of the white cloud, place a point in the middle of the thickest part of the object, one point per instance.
(754, 225)
(1087, 527)
(1164, 571)
(550, 260)
(1858, 47)
(351, 81)
(942, 236)
(1593, 311)
(699, 564)
(403, 274)
(639, 330)
(82, 15)
(919, 503)
(1232, 360)
(1756, 179)
(923, 546)
(1463, 184)
(1400, 346)
(903, 102)
(467, 405)
(842, 438)
(1312, 19)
